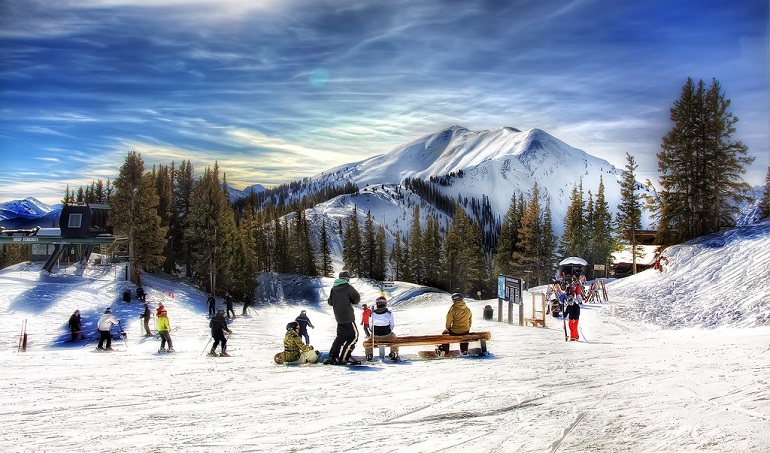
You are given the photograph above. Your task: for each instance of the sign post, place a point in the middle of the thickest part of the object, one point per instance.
(510, 289)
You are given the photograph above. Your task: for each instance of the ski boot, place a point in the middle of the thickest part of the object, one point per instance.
(369, 358)
(224, 354)
(393, 356)
(162, 350)
(213, 353)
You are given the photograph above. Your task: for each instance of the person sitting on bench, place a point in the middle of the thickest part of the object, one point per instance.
(458, 322)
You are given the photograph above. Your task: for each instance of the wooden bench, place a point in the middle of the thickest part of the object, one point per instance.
(429, 340)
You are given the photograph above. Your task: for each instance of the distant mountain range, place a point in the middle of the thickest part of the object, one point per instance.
(465, 166)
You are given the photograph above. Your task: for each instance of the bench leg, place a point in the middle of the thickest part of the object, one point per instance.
(382, 352)
(483, 347)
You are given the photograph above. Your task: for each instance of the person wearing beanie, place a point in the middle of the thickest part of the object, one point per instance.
(382, 323)
(218, 325)
(458, 322)
(304, 323)
(146, 318)
(296, 352)
(74, 324)
(104, 325)
(365, 319)
(164, 328)
(342, 297)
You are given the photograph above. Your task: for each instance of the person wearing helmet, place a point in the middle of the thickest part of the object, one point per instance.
(104, 325)
(218, 325)
(365, 319)
(342, 297)
(572, 312)
(295, 352)
(164, 329)
(304, 323)
(382, 327)
(458, 322)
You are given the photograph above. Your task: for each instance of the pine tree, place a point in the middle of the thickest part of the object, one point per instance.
(629, 215)
(134, 214)
(700, 166)
(574, 240)
(369, 242)
(465, 264)
(509, 231)
(395, 259)
(380, 267)
(181, 247)
(327, 270)
(212, 230)
(165, 191)
(765, 203)
(352, 256)
(601, 241)
(432, 253)
(416, 256)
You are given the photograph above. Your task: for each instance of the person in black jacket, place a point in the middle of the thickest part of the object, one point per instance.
(218, 326)
(212, 305)
(229, 305)
(572, 312)
(304, 323)
(74, 324)
(342, 298)
(146, 318)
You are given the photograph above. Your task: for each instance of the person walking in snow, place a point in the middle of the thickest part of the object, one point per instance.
(382, 323)
(104, 325)
(304, 323)
(342, 297)
(294, 350)
(212, 305)
(229, 305)
(458, 322)
(365, 319)
(74, 324)
(572, 312)
(146, 318)
(218, 325)
(164, 330)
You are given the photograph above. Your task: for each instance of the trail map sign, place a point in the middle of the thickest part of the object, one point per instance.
(510, 289)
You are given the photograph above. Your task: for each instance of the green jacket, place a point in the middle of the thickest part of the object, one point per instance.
(293, 346)
(459, 317)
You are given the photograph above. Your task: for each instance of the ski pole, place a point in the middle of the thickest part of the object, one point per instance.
(207, 345)
(21, 333)
(92, 337)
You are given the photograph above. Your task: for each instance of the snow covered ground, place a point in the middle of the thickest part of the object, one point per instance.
(630, 386)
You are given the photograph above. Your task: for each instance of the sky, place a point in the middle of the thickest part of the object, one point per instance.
(674, 361)
(274, 91)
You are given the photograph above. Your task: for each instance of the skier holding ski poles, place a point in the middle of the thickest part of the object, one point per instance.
(104, 325)
(218, 325)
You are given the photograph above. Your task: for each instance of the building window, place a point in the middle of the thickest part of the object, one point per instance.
(75, 220)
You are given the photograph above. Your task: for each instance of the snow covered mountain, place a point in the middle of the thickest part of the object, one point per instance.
(28, 213)
(495, 164)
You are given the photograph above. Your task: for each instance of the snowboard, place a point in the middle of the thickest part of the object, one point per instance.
(472, 352)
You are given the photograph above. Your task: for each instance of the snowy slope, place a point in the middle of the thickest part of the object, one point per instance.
(628, 386)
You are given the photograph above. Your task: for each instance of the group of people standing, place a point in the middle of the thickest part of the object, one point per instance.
(378, 323)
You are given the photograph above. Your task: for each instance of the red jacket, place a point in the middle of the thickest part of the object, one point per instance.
(366, 315)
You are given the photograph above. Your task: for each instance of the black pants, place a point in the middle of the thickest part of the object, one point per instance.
(105, 335)
(345, 342)
(219, 337)
(73, 334)
(211, 309)
(463, 346)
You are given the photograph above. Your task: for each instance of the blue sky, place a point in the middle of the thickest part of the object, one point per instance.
(277, 90)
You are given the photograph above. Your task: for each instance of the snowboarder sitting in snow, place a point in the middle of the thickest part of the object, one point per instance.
(572, 312)
(382, 327)
(218, 325)
(74, 324)
(140, 294)
(295, 351)
(304, 323)
(164, 327)
(104, 325)
(458, 322)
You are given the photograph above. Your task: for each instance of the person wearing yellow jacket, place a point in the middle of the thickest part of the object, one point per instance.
(163, 330)
(458, 322)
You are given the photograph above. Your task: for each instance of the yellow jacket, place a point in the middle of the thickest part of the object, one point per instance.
(459, 317)
(163, 324)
